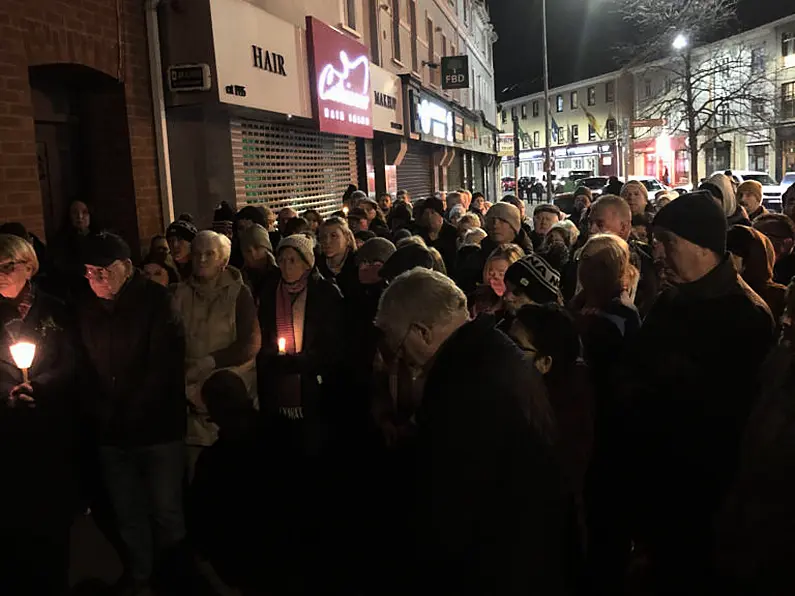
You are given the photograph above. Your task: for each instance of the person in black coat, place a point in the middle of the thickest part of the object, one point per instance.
(438, 233)
(36, 417)
(298, 371)
(338, 260)
(687, 406)
(489, 515)
(134, 395)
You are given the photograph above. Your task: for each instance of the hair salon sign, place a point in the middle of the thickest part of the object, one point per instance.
(340, 80)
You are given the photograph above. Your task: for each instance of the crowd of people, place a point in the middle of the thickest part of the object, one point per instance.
(427, 396)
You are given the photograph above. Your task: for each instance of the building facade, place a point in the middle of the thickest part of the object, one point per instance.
(743, 89)
(296, 108)
(586, 119)
(76, 116)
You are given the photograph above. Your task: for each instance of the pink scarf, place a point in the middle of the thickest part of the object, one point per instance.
(288, 390)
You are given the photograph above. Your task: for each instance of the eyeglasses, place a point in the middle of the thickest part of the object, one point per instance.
(100, 273)
(10, 266)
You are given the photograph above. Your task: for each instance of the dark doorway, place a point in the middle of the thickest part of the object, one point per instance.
(83, 148)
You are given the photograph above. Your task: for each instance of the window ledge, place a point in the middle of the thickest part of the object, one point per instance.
(353, 32)
(398, 62)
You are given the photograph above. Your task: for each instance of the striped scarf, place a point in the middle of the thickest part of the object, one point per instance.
(290, 306)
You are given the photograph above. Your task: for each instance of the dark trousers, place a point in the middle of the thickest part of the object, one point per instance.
(145, 488)
(35, 562)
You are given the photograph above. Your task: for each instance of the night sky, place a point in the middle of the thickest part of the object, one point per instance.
(582, 35)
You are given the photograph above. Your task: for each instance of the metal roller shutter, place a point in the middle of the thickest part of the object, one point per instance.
(478, 178)
(455, 172)
(279, 166)
(415, 172)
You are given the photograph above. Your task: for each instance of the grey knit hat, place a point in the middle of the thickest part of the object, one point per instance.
(375, 250)
(506, 212)
(302, 244)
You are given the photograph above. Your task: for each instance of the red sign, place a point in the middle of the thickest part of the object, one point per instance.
(340, 81)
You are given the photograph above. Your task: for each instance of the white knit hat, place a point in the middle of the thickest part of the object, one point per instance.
(304, 245)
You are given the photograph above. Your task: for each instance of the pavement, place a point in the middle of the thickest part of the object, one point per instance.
(92, 556)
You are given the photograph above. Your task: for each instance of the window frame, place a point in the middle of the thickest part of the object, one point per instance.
(536, 110)
(415, 60)
(574, 100)
(559, 104)
(536, 139)
(788, 100)
(610, 91)
(430, 33)
(575, 133)
(350, 18)
(591, 132)
(787, 44)
(524, 111)
(397, 53)
(591, 93)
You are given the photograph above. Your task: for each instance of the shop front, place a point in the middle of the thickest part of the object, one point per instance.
(388, 141)
(264, 132)
(665, 158)
(785, 152)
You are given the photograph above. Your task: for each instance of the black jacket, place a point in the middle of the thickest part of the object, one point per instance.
(322, 353)
(469, 268)
(134, 378)
(489, 507)
(347, 279)
(689, 403)
(36, 443)
(445, 243)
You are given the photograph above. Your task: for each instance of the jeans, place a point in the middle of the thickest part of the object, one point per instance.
(145, 487)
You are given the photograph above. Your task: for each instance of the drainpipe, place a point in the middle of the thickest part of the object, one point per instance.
(159, 112)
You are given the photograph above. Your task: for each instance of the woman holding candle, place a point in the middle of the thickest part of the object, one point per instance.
(221, 330)
(39, 494)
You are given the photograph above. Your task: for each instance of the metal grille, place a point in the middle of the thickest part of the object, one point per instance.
(279, 166)
(415, 172)
(455, 172)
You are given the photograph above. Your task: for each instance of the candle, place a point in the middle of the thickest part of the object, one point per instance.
(345, 211)
(282, 345)
(23, 354)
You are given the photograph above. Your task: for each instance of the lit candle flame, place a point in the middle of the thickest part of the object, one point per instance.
(282, 345)
(345, 211)
(23, 354)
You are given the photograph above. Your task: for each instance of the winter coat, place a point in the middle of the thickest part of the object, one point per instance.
(469, 269)
(687, 408)
(649, 282)
(755, 529)
(446, 243)
(36, 454)
(758, 273)
(784, 269)
(220, 321)
(347, 279)
(322, 353)
(134, 378)
(489, 509)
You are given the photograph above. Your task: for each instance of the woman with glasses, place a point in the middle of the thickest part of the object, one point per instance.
(39, 493)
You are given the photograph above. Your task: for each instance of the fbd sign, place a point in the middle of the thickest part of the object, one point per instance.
(455, 72)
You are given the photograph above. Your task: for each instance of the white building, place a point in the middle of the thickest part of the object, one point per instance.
(296, 108)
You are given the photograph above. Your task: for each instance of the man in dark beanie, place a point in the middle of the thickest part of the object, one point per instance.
(437, 232)
(687, 401)
(180, 235)
(224, 219)
(531, 280)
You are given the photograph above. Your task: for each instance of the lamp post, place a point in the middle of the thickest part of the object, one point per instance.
(548, 160)
(682, 44)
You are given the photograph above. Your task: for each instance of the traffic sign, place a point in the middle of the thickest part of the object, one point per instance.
(455, 72)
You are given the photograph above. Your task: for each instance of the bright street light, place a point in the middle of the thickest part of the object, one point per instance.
(680, 42)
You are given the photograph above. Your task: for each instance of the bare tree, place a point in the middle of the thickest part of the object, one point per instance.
(706, 92)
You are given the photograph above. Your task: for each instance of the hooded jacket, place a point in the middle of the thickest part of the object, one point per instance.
(734, 214)
(759, 258)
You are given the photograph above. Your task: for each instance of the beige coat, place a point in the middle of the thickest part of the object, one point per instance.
(209, 318)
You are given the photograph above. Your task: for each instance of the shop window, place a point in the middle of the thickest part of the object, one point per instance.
(574, 101)
(591, 96)
(610, 92)
(561, 136)
(591, 133)
(577, 163)
(788, 101)
(575, 133)
(535, 109)
(396, 29)
(757, 158)
(524, 111)
(536, 139)
(559, 103)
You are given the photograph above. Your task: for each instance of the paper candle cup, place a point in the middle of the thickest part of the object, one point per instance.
(23, 354)
(282, 345)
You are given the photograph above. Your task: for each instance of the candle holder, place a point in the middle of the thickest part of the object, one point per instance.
(23, 354)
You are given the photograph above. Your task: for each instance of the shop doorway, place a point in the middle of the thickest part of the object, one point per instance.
(83, 147)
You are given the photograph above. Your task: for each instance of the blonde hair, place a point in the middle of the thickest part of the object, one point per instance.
(411, 240)
(20, 250)
(474, 237)
(634, 183)
(506, 252)
(350, 240)
(605, 269)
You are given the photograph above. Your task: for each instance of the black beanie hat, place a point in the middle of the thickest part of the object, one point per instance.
(182, 228)
(224, 212)
(695, 217)
(533, 276)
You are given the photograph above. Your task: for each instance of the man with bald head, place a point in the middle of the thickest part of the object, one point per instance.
(611, 215)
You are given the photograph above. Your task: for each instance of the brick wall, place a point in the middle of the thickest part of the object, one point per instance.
(86, 32)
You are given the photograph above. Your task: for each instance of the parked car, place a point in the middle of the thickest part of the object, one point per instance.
(508, 184)
(652, 184)
(595, 183)
(788, 180)
(771, 190)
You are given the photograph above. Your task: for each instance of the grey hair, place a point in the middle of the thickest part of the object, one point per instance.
(257, 236)
(419, 296)
(219, 241)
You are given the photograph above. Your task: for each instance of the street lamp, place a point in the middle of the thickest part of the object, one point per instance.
(680, 42)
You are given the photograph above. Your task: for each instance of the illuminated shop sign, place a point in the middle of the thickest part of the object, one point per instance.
(340, 69)
(436, 121)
